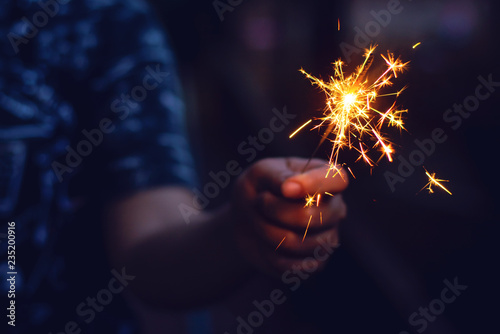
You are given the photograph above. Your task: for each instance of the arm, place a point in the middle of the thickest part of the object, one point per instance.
(176, 264)
(182, 265)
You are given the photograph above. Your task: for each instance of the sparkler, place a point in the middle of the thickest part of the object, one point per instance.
(433, 181)
(351, 118)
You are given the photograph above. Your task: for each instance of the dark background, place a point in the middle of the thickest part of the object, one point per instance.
(397, 247)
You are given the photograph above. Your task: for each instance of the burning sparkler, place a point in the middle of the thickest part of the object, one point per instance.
(353, 120)
(351, 116)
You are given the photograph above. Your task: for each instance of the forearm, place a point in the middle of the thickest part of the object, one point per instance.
(189, 265)
(183, 265)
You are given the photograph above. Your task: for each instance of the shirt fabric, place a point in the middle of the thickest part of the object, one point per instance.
(90, 111)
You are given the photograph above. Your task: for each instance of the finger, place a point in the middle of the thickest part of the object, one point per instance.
(297, 243)
(316, 180)
(294, 216)
(297, 165)
(276, 264)
(320, 246)
(333, 210)
(269, 174)
(277, 260)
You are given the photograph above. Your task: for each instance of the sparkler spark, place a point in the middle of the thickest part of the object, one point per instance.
(300, 128)
(307, 228)
(280, 243)
(433, 181)
(309, 201)
(351, 118)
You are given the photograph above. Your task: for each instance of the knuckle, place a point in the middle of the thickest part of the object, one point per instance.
(261, 165)
(264, 201)
(343, 212)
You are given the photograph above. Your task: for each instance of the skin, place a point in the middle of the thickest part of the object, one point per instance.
(179, 265)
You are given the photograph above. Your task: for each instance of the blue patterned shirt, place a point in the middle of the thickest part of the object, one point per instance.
(90, 110)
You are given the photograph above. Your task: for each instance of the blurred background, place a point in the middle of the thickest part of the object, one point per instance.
(397, 247)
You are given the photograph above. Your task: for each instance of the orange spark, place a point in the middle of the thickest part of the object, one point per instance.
(363, 155)
(309, 201)
(280, 243)
(307, 228)
(301, 127)
(433, 181)
(349, 168)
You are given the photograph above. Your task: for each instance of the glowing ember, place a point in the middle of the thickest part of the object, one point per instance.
(280, 243)
(307, 228)
(303, 125)
(433, 181)
(309, 201)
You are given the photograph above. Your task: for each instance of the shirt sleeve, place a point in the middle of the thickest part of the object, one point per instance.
(135, 104)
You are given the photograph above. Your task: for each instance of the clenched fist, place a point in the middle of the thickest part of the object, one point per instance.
(269, 208)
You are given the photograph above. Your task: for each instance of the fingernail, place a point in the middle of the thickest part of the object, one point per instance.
(292, 189)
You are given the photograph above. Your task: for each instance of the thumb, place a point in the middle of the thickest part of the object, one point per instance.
(317, 179)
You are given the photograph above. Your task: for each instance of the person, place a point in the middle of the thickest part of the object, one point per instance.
(93, 126)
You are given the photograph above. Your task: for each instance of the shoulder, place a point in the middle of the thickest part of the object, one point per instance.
(68, 33)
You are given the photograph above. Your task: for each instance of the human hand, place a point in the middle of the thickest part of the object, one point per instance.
(268, 206)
